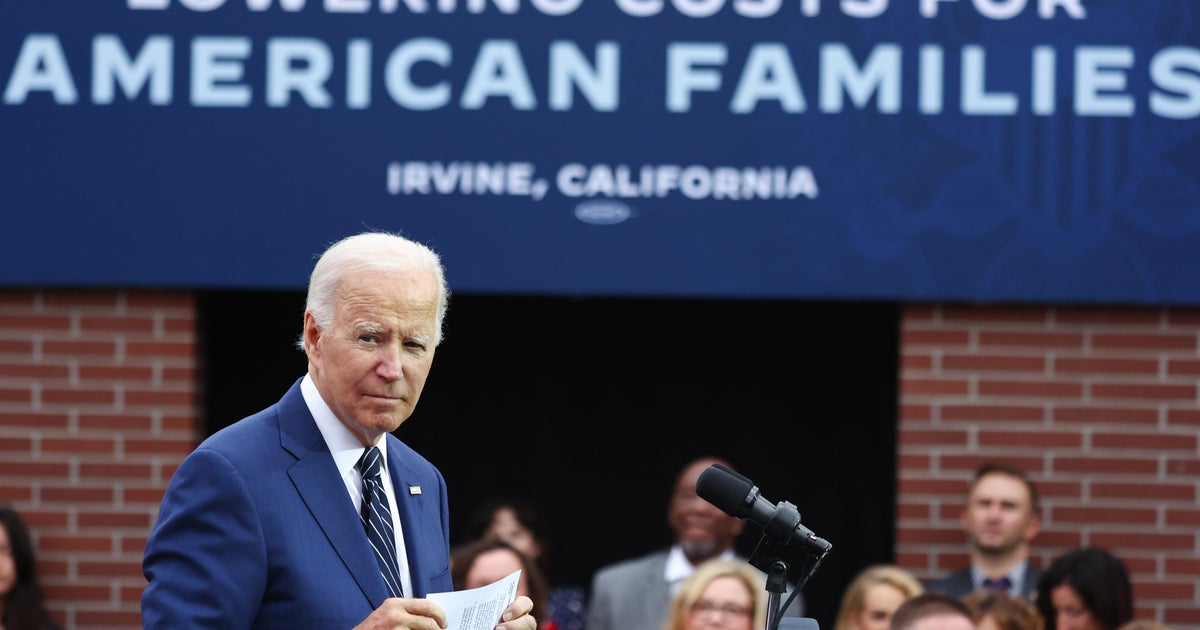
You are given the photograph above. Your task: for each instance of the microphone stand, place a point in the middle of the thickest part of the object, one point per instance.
(776, 586)
(768, 558)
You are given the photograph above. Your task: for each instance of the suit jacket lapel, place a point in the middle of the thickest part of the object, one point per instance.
(656, 590)
(321, 488)
(412, 505)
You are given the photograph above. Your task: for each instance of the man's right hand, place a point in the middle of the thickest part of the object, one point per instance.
(398, 613)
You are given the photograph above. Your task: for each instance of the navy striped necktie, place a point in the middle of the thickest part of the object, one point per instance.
(377, 519)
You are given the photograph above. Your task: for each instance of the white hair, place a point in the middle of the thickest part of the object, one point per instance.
(370, 251)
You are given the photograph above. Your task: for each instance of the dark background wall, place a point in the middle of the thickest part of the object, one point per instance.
(589, 407)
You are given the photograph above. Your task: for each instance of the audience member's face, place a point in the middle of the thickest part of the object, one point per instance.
(494, 565)
(988, 622)
(943, 621)
(506, 527)
(879, 603)
(371, 363)
(8, 567)
(1070, 611)
(999, 515)
(700, 528)
(724, 604)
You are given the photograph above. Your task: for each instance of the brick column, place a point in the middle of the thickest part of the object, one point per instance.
(1100, 405)
(97, 407)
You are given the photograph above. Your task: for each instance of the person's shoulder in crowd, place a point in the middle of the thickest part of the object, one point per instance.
(632, 566)
(955, 584)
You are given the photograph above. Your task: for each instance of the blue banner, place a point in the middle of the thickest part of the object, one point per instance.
(976, 150)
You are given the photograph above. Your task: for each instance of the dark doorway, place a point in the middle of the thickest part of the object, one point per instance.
(589, 407)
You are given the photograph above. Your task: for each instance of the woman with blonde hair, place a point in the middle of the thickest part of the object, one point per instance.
(874, 595)
(720, 595)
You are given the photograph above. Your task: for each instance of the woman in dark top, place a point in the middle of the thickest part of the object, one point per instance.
(516, 521)
(21, 604)
(482, 562)
(1085, 589)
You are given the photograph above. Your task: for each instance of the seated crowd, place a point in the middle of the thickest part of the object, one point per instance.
(700, 583)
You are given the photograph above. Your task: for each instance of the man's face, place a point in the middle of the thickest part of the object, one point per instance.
(999, 515)
(700, 528)
(370, 364)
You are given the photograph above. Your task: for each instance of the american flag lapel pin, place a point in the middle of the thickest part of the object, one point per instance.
(414, 489)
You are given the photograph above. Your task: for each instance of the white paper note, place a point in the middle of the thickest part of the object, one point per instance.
(478, 608)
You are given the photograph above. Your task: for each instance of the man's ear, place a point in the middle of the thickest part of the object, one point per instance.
(1034, 526)
(312, 334)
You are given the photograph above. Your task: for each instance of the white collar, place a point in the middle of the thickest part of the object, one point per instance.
(680, 568)
(345, 448)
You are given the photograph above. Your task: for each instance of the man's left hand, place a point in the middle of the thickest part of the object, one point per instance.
(517, 617)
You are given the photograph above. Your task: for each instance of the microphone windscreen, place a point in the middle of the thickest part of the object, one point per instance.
(725, 489)
(734, 473)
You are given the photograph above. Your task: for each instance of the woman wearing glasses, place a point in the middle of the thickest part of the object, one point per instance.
(720, 595)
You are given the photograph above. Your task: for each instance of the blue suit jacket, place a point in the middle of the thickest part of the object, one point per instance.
(257, 531)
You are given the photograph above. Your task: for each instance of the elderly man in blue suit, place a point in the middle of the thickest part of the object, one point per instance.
(310, 513)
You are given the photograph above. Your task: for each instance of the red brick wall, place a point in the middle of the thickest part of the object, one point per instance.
(97, 407)
(1100, 405)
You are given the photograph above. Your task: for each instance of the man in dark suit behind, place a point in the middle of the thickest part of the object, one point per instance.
(292, 517)
(1001, 519)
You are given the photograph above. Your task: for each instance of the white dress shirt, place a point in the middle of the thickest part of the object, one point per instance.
(346, 451)
(679, 568)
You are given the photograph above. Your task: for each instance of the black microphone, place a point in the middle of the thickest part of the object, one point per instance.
(738, 497)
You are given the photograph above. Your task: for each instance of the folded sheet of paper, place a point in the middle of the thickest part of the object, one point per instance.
(478, 608)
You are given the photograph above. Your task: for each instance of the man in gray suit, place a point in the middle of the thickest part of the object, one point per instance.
(1001, 519)
(634, 594)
